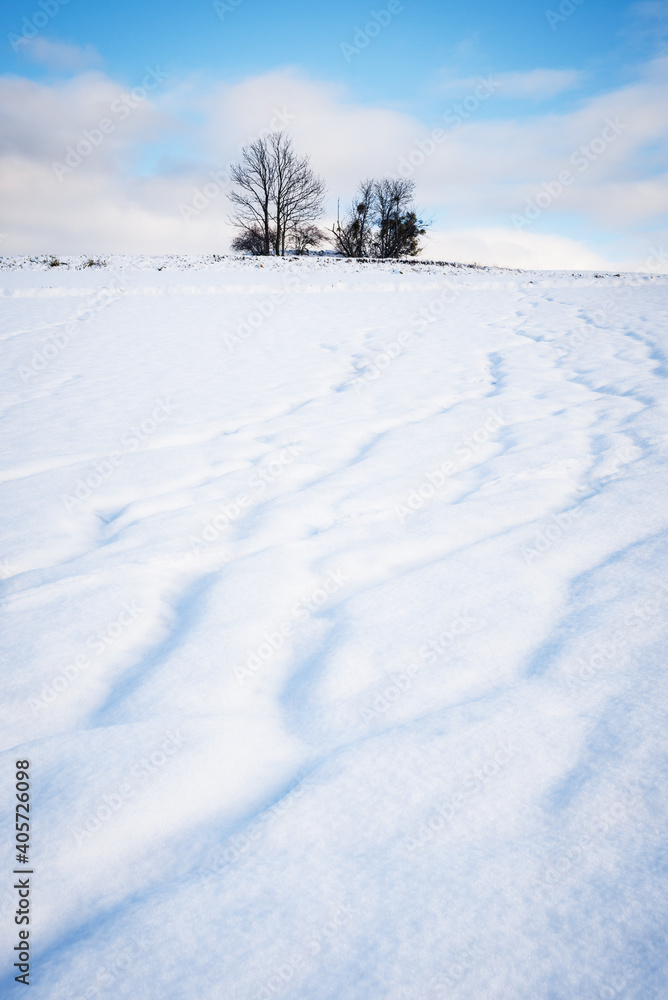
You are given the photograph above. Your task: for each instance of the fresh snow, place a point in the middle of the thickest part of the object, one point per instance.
(334, 629)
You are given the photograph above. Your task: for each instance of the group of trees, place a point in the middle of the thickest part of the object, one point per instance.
(381, 221)
(278, 197)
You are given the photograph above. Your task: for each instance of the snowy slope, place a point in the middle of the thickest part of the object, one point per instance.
(334, 626)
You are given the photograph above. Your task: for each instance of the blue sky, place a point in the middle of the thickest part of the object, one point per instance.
(403, 66)
(554, 73)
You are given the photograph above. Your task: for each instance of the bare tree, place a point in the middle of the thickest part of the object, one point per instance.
(352, 239)
(298, 192)
(255, 177)
(304, 237)
(381, 222)
(278, 191)
(397, 224)
(251, 239)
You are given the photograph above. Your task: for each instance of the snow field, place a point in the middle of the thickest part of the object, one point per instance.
(334, 608)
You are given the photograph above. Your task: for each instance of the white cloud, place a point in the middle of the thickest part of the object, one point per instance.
(651, 8)
(533, 85)
(344, 139)
(486, 169)
(539, 84)
(61, 55)
(473, 182)
(506, 248)
(651, 22)
(40, 120)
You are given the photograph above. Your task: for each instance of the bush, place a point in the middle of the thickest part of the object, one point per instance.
(381, 222)
(305, 237)
(251, 240)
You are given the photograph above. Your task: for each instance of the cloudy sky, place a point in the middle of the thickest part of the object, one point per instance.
(536, 131)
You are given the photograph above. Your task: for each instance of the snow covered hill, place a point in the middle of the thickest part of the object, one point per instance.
(334, 617)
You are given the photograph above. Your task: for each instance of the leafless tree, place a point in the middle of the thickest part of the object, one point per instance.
(253, 202)
(304, 237)
(299, 193)
(381, 222)
(251, 239)
(391, 198)
(352, 239)
(278, 191)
